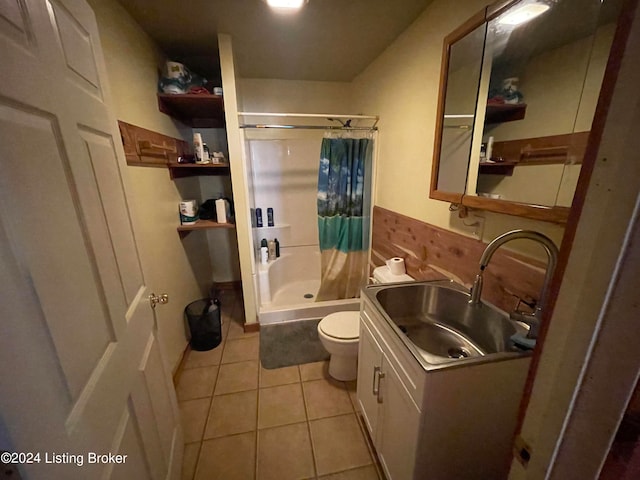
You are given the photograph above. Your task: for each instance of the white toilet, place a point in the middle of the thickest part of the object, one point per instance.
(340, 332)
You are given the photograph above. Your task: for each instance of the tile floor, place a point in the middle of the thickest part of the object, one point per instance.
(244, 422)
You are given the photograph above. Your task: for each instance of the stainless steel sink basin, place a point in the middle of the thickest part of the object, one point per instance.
(436, 322)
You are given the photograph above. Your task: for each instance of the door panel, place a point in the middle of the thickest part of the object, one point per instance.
(369, 357)
(83, 369)
(77, 47)
(398, 427)
(13, 22)
(129, 443)
(44, 222)
(103, 159)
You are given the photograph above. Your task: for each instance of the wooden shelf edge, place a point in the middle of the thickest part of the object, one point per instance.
(179, 170)
(505, 112)
(185, 230)
(200, 111)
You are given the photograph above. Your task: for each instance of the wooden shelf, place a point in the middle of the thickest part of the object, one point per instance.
(497, 168)
(505, 112)
(185, 230)
(275, 227)
(179, 170)
(199, 111)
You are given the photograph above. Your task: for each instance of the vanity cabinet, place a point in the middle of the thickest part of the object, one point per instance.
(390, 414)
(451, 422)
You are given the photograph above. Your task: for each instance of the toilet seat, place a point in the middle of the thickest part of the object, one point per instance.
(341, 325)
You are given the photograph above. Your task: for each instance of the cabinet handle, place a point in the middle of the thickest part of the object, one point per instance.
(378, 374)
(379, 393)
(375, 387)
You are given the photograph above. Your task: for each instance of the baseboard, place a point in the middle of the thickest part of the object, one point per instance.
(251, 327)
(232, 285)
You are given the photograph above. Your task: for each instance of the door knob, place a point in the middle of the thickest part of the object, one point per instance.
(158, 299)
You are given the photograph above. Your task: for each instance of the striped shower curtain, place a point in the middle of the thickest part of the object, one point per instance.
(343, 215)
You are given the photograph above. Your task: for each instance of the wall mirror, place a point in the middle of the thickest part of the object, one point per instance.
(519, 88)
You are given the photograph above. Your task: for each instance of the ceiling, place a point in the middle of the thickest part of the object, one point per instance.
(328, 40)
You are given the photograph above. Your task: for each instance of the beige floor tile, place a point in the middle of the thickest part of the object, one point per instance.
(352, 388)
(280, 405)
(284, 453)
(362, 473)
(232, 413)
(236, 330)
(314, 371)
(237, 377)
(278, 376)
(189, 460)
(338, 444)
(196, 383)
(326, 398)
(203, 359)
(194, 416)
(228, 458)
(241, 350)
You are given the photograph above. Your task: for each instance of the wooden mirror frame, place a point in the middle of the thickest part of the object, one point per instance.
(554, 214)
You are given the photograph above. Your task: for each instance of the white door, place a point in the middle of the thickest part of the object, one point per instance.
(81, 372)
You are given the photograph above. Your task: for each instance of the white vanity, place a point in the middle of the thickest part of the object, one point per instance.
(429, 417)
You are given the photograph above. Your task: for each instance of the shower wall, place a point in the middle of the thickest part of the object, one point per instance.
(282, 166)
(285, 178)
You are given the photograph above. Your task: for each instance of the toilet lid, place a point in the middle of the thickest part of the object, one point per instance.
(343, 325)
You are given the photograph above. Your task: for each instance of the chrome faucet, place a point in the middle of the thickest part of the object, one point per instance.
(531, 319)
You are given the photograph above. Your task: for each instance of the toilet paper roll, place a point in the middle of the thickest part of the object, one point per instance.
(396, 265)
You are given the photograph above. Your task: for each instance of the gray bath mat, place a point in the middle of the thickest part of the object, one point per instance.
(290, 343)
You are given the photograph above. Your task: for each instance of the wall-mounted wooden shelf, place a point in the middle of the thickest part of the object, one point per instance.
(185, 230)
(179, 170)
(495, 168)
(505, 112)
(198, 111)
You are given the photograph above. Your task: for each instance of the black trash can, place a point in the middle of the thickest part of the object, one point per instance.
(205, 328)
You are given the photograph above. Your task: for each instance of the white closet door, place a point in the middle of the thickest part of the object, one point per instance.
(82, 371)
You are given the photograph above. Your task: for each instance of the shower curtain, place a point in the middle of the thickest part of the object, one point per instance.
(344, 196)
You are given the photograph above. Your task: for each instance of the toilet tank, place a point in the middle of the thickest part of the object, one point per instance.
(383, 275)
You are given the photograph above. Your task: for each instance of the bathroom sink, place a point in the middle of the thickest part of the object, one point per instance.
(437, 324)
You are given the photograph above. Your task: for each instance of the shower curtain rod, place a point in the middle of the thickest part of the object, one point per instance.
(308, 127)
(333, 117)
(307, 115)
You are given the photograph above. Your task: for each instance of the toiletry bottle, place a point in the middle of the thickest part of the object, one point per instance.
(272, 250)
(198, 147)
(270, 217)
(259, 217)
(277, 247)
(264, 251)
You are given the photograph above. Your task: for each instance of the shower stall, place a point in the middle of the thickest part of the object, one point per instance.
(282, 156)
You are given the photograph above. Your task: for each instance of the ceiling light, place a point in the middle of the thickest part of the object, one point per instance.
(523, 14)
(289, 4)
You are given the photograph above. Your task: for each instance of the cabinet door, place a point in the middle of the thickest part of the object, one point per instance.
(369, 366)
(398, 426)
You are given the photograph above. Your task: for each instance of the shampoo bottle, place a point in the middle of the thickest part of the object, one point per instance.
(270, 217)
(272, 250)
(264, 252)
(259, 217)
(277, 247)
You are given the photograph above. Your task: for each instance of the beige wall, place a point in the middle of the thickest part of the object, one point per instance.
(402, 86)
(179, 268)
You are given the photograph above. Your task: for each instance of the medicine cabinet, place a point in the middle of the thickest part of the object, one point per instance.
(516, 104)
